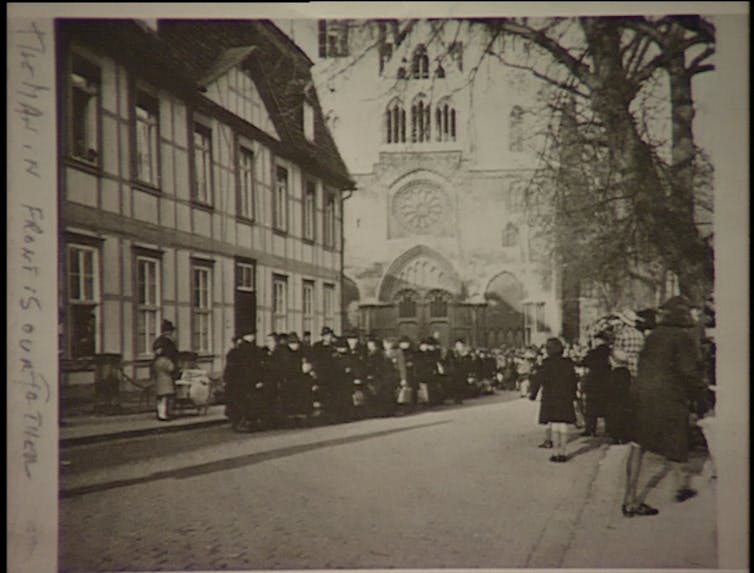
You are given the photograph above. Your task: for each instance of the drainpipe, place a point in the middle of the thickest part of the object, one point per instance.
(343, 199)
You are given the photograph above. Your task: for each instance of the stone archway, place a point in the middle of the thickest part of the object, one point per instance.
(422, 269)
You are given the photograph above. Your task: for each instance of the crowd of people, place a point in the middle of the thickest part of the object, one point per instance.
(350, 377)
(649, 376)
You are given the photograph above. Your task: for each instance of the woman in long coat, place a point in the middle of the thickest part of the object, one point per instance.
(668, 380)
(165, 369)
(557, 378)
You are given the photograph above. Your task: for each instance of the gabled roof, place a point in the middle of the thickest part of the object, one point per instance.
(188, 54)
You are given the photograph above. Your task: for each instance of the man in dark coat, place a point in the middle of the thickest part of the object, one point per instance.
(424, 367)
(251, 387)
(295, 386)
(597, 361)
(272, 373)
(668, 382)
(346, 368)
(376, 373)
(462, 367)
(409, 358)
(233, 378)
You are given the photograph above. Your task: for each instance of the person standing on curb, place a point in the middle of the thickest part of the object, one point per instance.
(165, 369)
(624, 361)
(668, 382)
(557, 379)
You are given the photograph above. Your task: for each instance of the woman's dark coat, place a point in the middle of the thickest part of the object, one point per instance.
(669, 378)
(557, 378)
(164, 365)
(597, 379)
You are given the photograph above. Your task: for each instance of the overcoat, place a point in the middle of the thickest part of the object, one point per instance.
(669, 378)
(597, 379)
(164, 365)
(557, 378)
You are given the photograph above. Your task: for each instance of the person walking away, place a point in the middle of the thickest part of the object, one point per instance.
(557, 379)
(596, 380)
(624, 360)
(668, 381)
(165, 370)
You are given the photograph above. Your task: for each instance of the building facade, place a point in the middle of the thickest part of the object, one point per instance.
(442, 145)
(198, 184)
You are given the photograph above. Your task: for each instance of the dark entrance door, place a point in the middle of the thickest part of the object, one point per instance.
(245, 303)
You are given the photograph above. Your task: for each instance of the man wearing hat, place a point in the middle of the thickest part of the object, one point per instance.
(624, 363)
(462, 368)
(424, 370)
(252, 378)
(295, 391)
(376, 366)
(341, 383)
(409, 359)
(271, 362)
(322, 356)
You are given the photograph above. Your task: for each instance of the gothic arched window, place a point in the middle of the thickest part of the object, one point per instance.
(395, 122)
(406, 304)
(445, 120)
(420, 120)
(516, 129)
(438, 304)
(420, 63)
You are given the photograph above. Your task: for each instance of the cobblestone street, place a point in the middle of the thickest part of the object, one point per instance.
(455, 487)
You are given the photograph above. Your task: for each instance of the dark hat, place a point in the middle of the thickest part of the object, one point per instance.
(340, 343)
(404, 338)
(167, 326)
(352, 334)
(326, 330)
(293, 337)
(373, 338)
(428, 341)
(307, 333)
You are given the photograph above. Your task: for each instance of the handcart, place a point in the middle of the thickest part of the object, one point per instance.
(194, 388)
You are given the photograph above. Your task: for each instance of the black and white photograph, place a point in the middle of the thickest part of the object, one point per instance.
(318, 286)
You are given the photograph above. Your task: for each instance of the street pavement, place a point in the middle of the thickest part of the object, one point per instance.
(454, 487)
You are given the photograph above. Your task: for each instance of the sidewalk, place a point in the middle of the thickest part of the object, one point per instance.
(93, 428)
(683, 535)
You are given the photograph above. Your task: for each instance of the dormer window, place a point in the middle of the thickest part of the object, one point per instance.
(308, 121)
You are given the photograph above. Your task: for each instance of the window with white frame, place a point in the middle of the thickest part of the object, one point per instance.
(83, 300)
(147, 121)
(280, 199)
(329, 220)
(309, 199)
(308, 121)
(85, 87)
(280, 303)
(201, 306)
(202, 164)
(445, 120)
(246, 198)
(148, 303)
(328, 304)
(307, 306)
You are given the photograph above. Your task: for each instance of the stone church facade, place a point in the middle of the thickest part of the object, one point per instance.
(437, 237)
